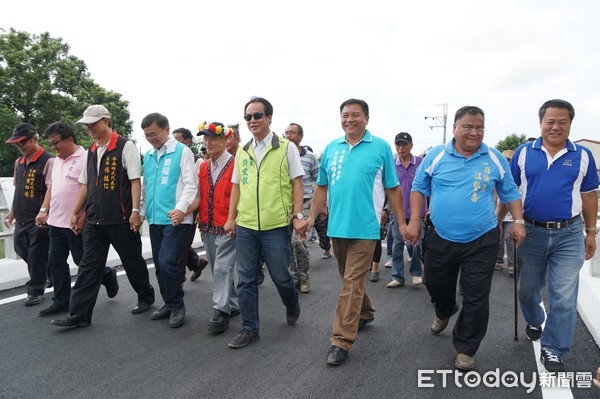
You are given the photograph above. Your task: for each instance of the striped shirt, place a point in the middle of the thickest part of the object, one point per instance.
(310, 164)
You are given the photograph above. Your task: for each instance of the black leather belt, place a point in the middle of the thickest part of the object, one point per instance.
(559, 224)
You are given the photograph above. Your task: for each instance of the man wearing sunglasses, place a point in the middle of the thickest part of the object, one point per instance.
(266, 197)
(110, 191)
(32, 179)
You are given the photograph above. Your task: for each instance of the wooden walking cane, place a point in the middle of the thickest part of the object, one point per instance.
(516, 279)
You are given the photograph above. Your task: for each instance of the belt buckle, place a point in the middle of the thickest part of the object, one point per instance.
(552, 225)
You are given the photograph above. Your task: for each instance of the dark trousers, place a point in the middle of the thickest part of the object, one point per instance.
(96, 243)
(189, 256)
(63, 241)
(475, 261)
(31, 244)
(167, 243)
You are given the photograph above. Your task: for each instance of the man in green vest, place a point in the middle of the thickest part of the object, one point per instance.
(266, 197)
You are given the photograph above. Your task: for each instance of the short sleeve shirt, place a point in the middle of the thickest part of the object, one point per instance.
(356, 177)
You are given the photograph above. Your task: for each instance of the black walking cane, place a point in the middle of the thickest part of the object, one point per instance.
(515, 278)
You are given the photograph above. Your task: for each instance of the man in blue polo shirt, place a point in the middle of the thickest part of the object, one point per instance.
(461, 178)
(558, 180)
(356, 172)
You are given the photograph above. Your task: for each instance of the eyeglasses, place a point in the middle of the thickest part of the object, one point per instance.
(470, 129)
(88, 125)
(54, 143)
(290, 132)
(256, 116)
(21, 143)
(151, 135)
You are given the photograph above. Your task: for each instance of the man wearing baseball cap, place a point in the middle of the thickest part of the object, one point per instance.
(215, 189)
(406, 167)
(32, 178)
(110, 191)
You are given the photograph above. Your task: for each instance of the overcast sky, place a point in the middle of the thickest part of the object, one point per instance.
(202, 60)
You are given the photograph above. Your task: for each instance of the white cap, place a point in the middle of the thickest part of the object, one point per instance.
(93, 114)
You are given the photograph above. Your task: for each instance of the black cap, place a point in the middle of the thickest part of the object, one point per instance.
(403, 137)
(22, 131)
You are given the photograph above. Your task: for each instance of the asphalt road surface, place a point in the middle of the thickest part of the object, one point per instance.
(129, 356)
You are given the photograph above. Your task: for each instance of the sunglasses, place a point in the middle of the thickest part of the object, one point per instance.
(21, 143)
(256, 116)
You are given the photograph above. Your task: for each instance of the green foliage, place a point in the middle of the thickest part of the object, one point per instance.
(40, 83)
(511, 142)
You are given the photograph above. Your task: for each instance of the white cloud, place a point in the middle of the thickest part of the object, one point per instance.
(194, 61)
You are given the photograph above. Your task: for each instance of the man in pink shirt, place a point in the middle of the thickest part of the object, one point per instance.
(69, 161)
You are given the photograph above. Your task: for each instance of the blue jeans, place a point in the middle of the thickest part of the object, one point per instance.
(561, 254)
(397, 253)
(275, 247)
(63, 240)
(390, 240)
(167, 243)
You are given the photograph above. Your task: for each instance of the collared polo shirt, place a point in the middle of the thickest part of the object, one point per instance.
(551, 187)
(462, 202)
(65, 187)
(406, 177)
(356, 177)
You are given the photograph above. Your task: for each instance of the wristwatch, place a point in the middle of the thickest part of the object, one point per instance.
(298, 216)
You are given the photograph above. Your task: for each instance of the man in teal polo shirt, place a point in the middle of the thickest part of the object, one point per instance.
(356, 172)
(461, 178)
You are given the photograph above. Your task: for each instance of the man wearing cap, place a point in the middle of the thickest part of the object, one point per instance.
(266, 197)
(300, 256)
(190, 257)
(59, 201)
(170, 188)
(215, 191)
(461, 178)
(32, 179)
(406, 167)
(110, 191)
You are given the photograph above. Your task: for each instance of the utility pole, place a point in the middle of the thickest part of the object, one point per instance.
(440, 121)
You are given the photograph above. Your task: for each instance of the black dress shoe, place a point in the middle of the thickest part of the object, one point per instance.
(33, 299)
(202, 262)
(218, 322)
(243, 338)
(162, 313)
(234, 313)
(363, 322)
(112, 288)
(292, 313)
(73, 320)
(141, 307)
(261, 276)
(177, 317)
(336, 355)
(53, 309)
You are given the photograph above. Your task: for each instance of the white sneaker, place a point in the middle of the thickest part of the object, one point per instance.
(394, 284)
(417, 280)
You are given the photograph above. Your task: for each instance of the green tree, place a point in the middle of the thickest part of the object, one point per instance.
(40, 83)
(511, 142)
